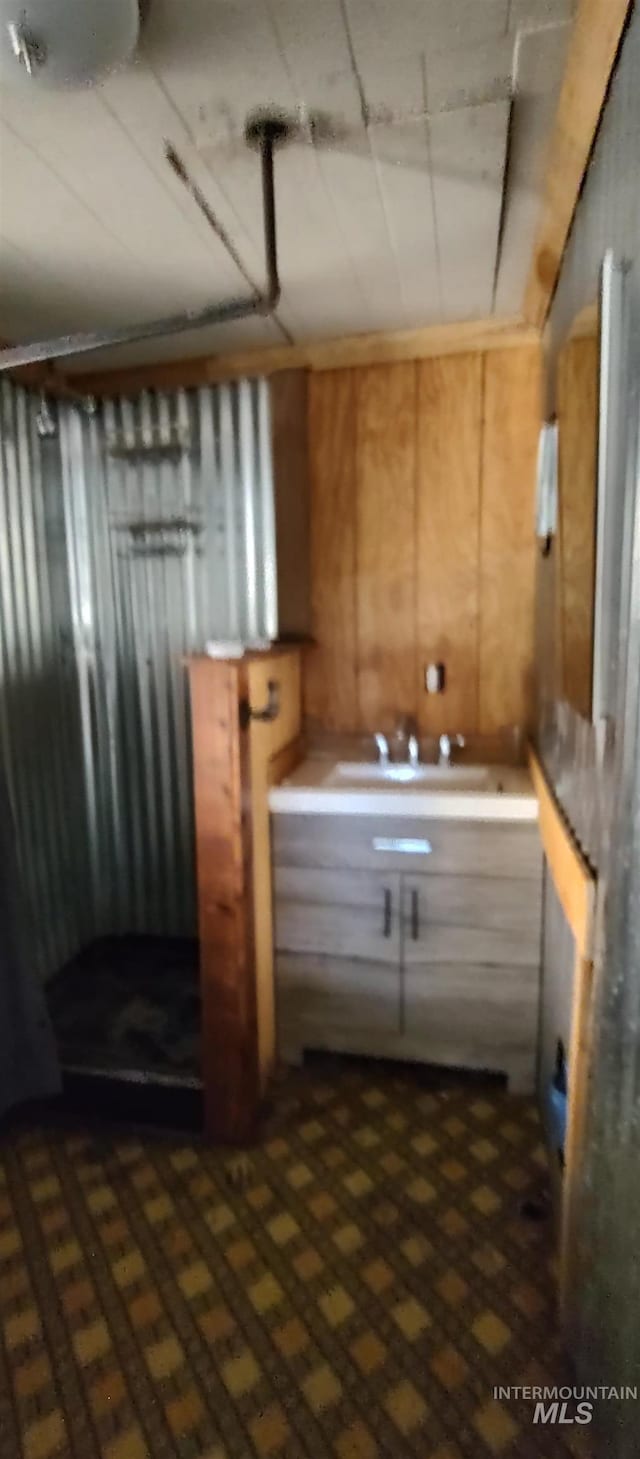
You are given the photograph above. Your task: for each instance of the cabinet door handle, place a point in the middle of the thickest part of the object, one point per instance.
(415, 917)
(387, 913)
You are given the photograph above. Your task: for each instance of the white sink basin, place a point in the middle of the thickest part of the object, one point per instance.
(356, 774)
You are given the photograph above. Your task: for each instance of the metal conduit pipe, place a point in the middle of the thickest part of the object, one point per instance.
(265, 134)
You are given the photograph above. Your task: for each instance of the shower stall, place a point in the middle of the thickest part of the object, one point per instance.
(131, 533)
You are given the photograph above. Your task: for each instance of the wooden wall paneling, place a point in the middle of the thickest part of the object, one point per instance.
(225, 899)
(385, 544)
(449, 436)
(512, 416)
(330, 666)
(289, 421)
(577, 408)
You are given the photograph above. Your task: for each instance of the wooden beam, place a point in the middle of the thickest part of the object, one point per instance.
(593, 47)
(332, 354)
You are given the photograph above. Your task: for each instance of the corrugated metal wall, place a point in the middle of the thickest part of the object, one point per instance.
(154, 521)
(40, 731)
(607, 1341)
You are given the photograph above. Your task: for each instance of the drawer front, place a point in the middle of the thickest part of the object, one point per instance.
(466, 848)
(318, 997)
(466, 919)
(469, 1013)
(346, 914)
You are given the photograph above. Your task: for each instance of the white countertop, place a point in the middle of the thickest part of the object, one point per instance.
(315, 788)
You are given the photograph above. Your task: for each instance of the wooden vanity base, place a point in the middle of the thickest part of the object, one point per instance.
(431, 957)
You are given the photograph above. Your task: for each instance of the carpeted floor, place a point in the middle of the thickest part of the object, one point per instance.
(353, 1288)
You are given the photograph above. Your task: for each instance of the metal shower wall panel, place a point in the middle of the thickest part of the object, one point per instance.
(127, 540)
(170, 526)
(40, 731)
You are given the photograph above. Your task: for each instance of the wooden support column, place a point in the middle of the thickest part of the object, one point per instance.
(225, 898)
(235, 759)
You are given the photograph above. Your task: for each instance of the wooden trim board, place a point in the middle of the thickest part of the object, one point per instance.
(575, 886)
(593, 48)
(572, 877)
(332, 354)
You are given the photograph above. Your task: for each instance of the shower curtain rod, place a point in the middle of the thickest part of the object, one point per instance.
(265, 134)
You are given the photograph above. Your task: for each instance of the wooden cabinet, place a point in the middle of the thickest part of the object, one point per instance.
(338, 956)
(470, 953)
(409, 940)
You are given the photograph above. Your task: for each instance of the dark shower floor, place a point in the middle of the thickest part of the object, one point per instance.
(130, 1006)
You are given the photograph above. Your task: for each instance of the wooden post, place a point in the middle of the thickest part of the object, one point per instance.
(233, 761)
(222, 789)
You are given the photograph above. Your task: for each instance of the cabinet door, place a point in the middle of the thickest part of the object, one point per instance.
(470, 974)
(337, 958)
(352, 914)
(471, 919)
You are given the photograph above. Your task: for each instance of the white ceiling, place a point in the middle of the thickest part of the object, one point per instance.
(396, 227)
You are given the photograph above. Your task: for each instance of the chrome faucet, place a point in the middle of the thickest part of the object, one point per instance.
(383, 748)
(413, 751)
(445, 745)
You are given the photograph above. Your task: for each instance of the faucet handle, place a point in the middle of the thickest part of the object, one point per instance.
(382, 745)
(460, 741)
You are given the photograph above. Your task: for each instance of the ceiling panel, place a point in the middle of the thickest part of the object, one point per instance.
(389, 219)
(402, 157)
(415, 26)
(539, 69)
(468, 154)
(107, 181)
(469, 75)
(532, 13)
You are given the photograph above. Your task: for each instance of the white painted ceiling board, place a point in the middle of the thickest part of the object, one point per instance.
(468, 153)
(539, 70)
(531, 13)
(418, 25)
(409, 209)
(393, 225)
(469, 75)
(121, 193)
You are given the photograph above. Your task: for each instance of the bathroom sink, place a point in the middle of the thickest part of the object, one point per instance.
(433, 777)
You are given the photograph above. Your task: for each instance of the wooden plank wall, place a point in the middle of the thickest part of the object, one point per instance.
(577, 406)
(422, 479)
(330, 675)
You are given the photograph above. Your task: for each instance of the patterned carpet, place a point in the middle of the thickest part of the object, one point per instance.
(351, 1290)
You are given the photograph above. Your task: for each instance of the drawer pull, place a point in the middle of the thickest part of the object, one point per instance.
(404, 844)
(387, 912)
(415, 918)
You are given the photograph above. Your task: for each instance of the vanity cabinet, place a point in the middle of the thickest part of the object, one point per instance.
(409, 939)
(338, 950)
